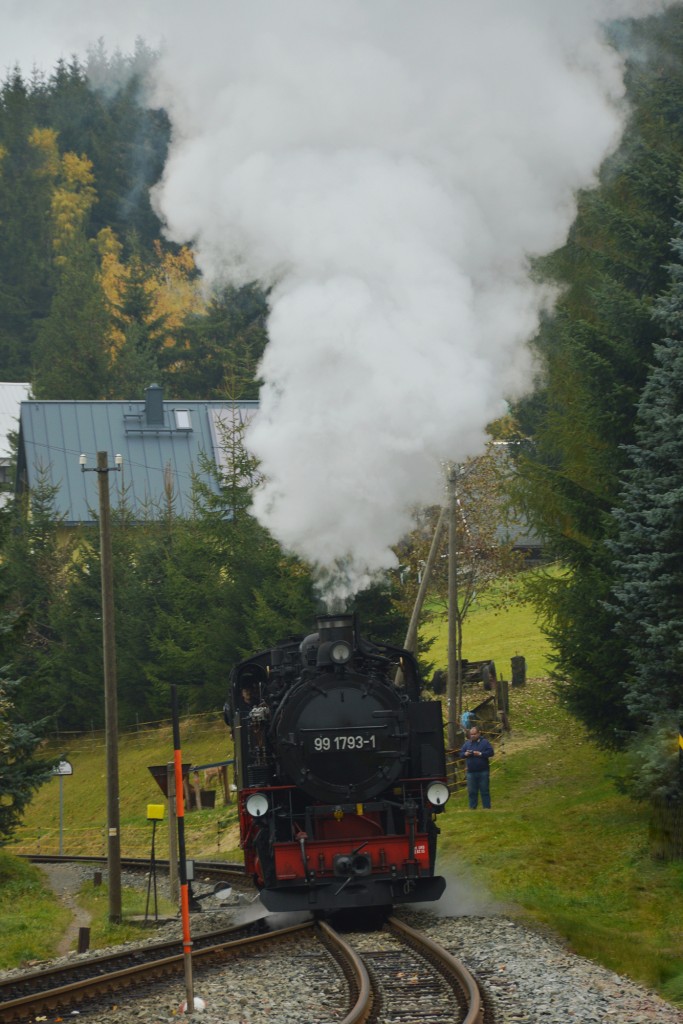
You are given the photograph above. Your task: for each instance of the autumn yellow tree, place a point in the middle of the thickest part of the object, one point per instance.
(148, 301)
(71, 351)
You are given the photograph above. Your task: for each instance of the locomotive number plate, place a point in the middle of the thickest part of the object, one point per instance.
(335, 743)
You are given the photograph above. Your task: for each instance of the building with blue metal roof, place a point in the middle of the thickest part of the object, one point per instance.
(163, 444)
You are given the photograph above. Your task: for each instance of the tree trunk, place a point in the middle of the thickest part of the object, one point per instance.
(666, 830)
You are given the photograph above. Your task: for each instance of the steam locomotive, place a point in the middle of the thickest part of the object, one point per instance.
(340, 771)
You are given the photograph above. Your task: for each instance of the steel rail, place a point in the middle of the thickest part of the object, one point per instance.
(90, 988)
(356, 973)
(130, 862)
(475, 1014)
(101, 963)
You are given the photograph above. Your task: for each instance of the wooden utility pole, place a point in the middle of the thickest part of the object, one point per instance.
(454, 676)
(110, 694)
(410, 643)
(411, 636)
(111, 723)
(454, 683)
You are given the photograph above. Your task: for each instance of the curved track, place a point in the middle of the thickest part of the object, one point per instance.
(395, 974)
(401, 974)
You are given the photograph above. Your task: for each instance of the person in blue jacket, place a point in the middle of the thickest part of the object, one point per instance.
(477, 752)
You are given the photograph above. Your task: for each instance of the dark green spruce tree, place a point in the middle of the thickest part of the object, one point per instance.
(34, 579)
(137, 363)
(596, 349)
(71, 358)
(217, 354)
(76, 667)
(225, 589)
(26, 268)
(647, 600)
(22, 771)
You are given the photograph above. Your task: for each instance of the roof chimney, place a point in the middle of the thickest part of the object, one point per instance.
(154, 405)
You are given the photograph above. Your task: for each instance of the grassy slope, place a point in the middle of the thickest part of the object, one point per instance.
(204, 739)
(561, 846)
(567, 849)
(497, 634)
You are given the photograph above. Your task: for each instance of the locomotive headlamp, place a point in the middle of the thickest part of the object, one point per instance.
(340, 652)
(257, 805)
(438, 794)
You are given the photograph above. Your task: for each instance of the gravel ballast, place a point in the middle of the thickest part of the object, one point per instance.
(529, 977)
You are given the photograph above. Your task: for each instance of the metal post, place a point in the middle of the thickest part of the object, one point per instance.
(152, 880)
(62, 769)
(110, 694)
(61, 816)
(172, 833)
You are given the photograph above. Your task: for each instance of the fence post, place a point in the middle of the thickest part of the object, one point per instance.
(518, 664)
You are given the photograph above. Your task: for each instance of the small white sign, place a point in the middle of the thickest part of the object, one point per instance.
(63, 768)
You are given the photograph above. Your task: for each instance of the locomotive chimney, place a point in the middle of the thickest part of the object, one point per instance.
(336, 627)
(154, 405)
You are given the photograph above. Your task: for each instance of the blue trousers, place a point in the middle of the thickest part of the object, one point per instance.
(478, 782)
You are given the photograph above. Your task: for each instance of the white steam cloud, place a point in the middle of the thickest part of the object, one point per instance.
(387, 168)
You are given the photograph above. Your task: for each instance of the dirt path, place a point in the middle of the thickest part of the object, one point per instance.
(66, 881)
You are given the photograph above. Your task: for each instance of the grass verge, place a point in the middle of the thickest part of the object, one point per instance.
(133, 907)
(33, 919)
(29, 913)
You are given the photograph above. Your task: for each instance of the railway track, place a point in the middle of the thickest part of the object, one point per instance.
(60, 987)
(219, 868)
(396, 974)
(216, 873)
(399, 974)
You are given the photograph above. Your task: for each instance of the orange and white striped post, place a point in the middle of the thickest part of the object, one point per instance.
(182, 866)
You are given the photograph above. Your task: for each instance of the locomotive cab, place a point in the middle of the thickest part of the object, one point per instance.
(340, 769)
